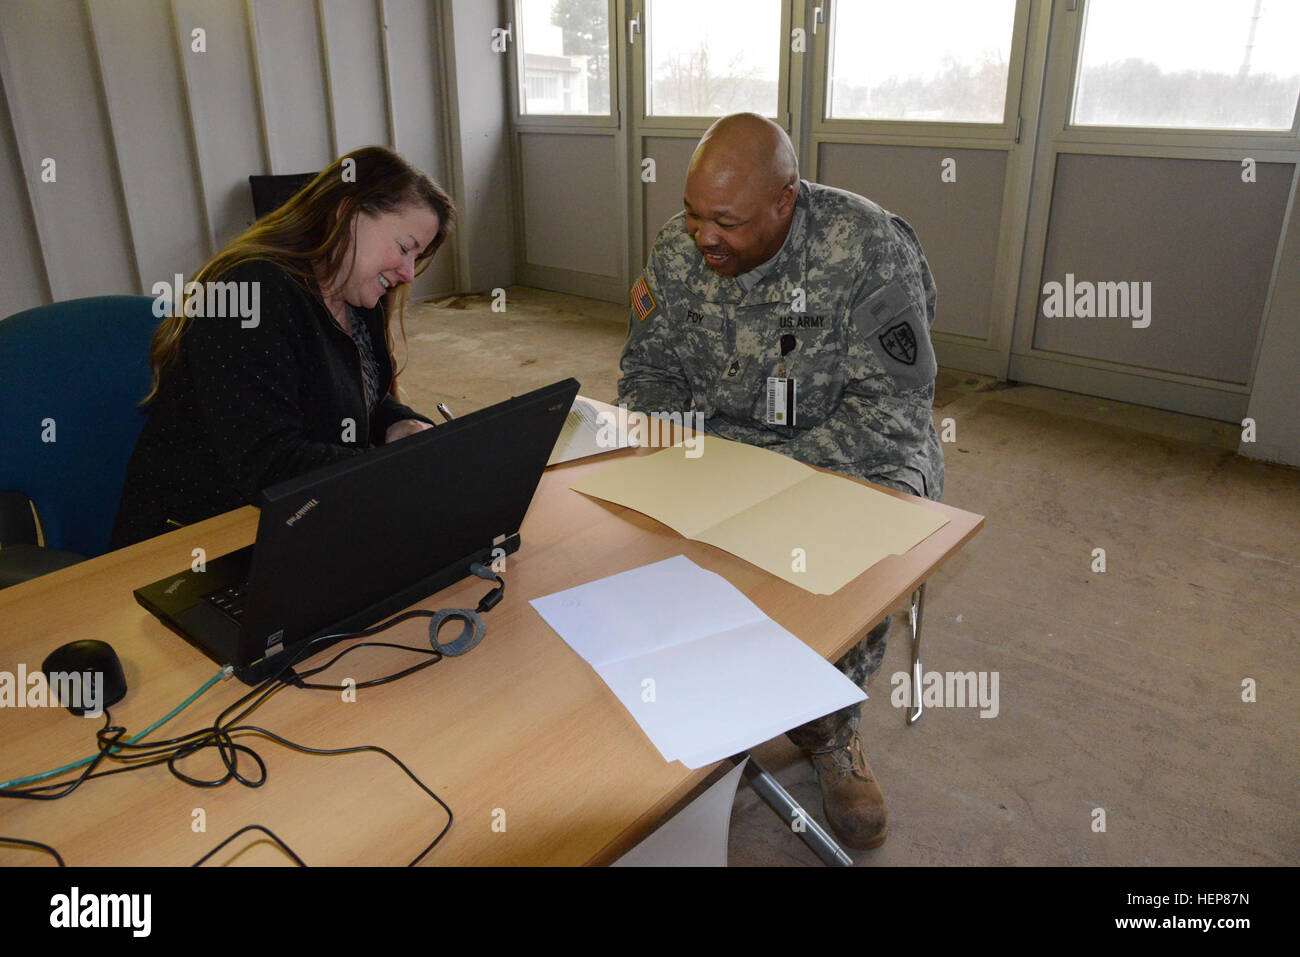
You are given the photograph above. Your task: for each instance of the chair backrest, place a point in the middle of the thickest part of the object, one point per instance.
(71, 377)
(272, 192)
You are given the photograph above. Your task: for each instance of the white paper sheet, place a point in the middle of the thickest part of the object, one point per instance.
(697, 835)
(699, 666)
(592, 427)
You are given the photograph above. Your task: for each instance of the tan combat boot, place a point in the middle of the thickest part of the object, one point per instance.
(854, 804)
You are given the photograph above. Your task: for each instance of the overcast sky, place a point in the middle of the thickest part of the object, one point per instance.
(884, 38)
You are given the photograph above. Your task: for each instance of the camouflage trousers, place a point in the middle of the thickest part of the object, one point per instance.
(836, 729)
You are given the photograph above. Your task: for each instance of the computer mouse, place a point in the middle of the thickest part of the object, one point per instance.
(66, 668)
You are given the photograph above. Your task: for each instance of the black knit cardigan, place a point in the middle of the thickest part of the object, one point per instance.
(243, 408)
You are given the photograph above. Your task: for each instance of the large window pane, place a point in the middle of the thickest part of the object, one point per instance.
(565, 66)
(712, 58)
(942, 61)
(1211, 64)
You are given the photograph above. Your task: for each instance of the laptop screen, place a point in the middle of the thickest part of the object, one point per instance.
(343, 546)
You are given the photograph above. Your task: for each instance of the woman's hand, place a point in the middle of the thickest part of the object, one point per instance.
(401, 429)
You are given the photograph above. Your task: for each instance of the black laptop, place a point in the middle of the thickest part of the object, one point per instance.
(344, 546)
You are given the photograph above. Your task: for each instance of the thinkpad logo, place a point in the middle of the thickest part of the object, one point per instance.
(900, 342)
(301, 512)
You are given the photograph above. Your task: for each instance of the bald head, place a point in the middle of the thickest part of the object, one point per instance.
(741, 191)
(748, 148)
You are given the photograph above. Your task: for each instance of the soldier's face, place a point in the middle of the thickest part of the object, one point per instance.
(737, 222)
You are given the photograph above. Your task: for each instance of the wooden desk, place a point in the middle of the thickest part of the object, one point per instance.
(520, 732)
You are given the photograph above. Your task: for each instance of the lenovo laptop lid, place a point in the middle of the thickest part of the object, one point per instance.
(344, 546)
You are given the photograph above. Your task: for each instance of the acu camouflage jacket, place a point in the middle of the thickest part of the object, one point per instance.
(861, 354)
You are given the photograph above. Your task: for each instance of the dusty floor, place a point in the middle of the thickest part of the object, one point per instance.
(1120, 691)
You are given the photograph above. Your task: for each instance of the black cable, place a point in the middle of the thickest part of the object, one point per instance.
(492, 598)
(85, 775)
(251, 827)
(36, 844)
(228, 746)
(374, 682)
(168, 751)
(355, 750)
(220, 735)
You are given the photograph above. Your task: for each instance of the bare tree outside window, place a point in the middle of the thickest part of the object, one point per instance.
(926, 60)
(1202, 64)
(714, 58)
(687, 85)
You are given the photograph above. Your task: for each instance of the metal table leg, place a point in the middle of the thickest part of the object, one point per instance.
(914, 616)
(780, 801)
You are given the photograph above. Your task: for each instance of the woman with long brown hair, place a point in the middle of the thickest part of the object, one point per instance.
(245, 397)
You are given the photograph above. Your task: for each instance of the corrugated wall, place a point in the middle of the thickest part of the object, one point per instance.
(127, 136)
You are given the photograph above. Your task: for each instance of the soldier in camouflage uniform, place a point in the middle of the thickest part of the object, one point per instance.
(766, 278)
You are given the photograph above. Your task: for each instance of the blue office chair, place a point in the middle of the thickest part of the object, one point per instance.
(71, 377)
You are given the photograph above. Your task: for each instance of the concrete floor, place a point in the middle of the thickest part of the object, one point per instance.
(1120, 691)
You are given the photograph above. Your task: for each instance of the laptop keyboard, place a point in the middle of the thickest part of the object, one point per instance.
(231, 599)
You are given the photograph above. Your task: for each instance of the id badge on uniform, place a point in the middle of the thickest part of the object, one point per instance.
(780, 401)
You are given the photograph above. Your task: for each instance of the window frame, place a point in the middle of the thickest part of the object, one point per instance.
(919, 131)
(656, 121)
(543, 121)
(1212, 136)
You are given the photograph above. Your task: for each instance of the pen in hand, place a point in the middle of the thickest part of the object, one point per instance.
(446, 412)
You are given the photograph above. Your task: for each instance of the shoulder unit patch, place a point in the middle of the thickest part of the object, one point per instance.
(900, 342)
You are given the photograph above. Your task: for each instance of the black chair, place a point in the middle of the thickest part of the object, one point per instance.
(272, 192)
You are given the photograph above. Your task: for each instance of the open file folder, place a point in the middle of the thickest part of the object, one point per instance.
(813, 529)
(699, 666)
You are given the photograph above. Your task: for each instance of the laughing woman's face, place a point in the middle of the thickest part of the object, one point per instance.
(386, 247)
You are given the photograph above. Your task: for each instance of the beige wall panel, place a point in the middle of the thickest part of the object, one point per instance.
(418, 117)
(1274, 396)
(146, 102)
(957, 222)
(356, 74)
(568, 183)
(153, 165)
(662, 199)
(224, 102)
(54, 96)
(1204, 239)
(488, 227)
(20, 257)
(293, 85)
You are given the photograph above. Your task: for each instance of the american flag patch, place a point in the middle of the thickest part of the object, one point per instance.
(642, 302)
